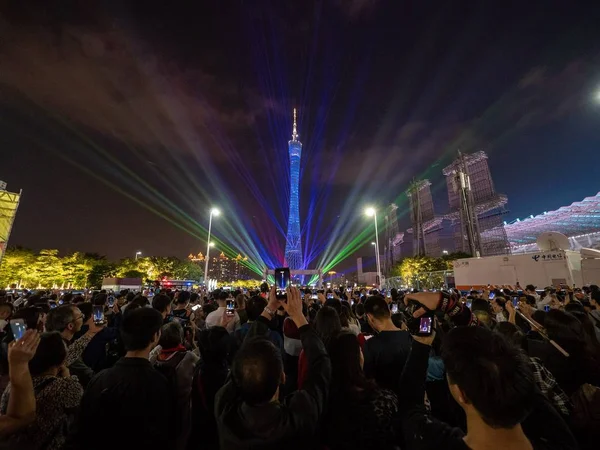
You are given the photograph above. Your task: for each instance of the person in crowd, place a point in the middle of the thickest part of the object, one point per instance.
(68, 320)
(498, 305)
(385, 352)
(240, 308)
(248, 411)
(57, 396)
(365, 328)
(354, 396)
(182, 312)
(20, 407)
(256, 305)
(348, 319)
(583, 363)
(214, 318)
(6, 310)
(177, 364)
(131, 389)
(162, 303)
(543, 378)
(209, 376)
(327, 326)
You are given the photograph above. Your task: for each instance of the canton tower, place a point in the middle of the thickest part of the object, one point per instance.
(293, 246)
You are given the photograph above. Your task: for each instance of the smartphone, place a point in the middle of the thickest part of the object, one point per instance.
(98, 315)
(515, 301)
(52, 304)
(469, 303)
(425, 326)
(492, 295)
(196, 307)
(351, 302)
(282, 281)
(60, 302)
(230, 311)
(329, 296)
(394, 308)
(18, 328)
(314, 296)
(546, 308)
(111, 301)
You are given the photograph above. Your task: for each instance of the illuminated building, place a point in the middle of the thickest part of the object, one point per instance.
(425, 224)
(476, 208)
(580, 222)
(293, 245)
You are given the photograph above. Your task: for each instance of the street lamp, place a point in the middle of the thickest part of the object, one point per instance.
(370, 211)
(444, 252)
(137, 254)
(213, 212)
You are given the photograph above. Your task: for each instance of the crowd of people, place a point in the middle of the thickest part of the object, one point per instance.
(505, 368)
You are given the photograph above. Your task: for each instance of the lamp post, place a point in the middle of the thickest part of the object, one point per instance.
(213, 212)
(372, 212)
(137, 254)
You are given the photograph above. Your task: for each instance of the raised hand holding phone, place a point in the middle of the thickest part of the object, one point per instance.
(293, 306)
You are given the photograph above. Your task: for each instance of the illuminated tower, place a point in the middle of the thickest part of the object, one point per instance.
(293, 245)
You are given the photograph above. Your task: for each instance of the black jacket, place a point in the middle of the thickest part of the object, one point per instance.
(544, 427)
(291, 424)
(131, 399)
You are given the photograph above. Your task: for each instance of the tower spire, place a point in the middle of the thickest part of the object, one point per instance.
(294, 131)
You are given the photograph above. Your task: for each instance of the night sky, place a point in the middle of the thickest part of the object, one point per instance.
(123, 123)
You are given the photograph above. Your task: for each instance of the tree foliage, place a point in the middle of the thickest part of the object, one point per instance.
(47, 269)
(425, 271)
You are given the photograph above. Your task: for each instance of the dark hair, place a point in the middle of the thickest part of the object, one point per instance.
(359, 309)
(494, 376)
(51, 352)
(183, 298)
(67, 298)
(480, 304)
(256, 371)
(194, 297)
(335, 304)
(512, 333)
(255, 307)
(223, 295)
(589, 331)
(213, 345)
(161, 302)
(377, 307)
(77, 299)
(86, 309)
(7, 306)
(569, 332)
(327, 324)
(100, 299)
(30, 316)
(171, 335)
(139, 327)
(530, 300)
(346, 374)
(59, 318)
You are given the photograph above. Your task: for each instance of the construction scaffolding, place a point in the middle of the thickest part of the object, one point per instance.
(580, 222)
(9, 204)
(476, 210)
(393, 240)
(425, 225)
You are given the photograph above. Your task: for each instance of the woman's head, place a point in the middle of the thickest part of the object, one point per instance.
(213, 345)
(50, 354)
(327, 323)
(346, 316)
(347, 363)
(511, 333)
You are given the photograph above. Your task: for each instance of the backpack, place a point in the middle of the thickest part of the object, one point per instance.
(585, 415)
(168, 369)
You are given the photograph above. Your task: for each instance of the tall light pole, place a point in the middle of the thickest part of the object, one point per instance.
(373, 212)
(213, 212)
(137, 254)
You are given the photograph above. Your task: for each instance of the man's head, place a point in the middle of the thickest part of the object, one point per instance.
(222, 298)
(498, 304)
(488, 376)
(162, 303)
(171, 335)
(140, 329)
(378, 312)
(183, 298)
(258, 371)
(255, 307)
(66, 319)
(50, 354)
(530, 288)
(6, 310)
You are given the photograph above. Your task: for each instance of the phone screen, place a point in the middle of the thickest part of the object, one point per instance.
(230, 307)
(111, 301)
(492, 295)
(515, 301)
(546, 308)
(425, 325)
(196, 307)
(329, 296)
(18, 328)
(52, 304)
(98, 314)
(469, 303)
(282, 281)
(394, 308)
